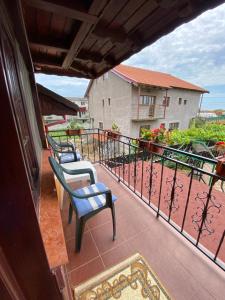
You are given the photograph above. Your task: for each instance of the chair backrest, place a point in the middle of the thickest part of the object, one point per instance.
(52, 142)
(58, 171)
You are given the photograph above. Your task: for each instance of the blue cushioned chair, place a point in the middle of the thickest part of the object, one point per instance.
(61, 151)
(87, 201)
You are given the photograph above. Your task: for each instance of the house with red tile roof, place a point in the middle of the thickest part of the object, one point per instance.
(136, 98)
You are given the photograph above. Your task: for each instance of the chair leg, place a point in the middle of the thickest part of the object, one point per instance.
(114, 221)
(80, 223)
(70, 214)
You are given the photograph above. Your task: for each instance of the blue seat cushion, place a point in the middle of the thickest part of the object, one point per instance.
(69, 157)
(87, 205)
(66, 158)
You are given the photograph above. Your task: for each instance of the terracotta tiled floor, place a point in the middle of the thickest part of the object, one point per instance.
(185, 272)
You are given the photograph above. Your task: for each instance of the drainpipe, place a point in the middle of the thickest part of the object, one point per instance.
(139, 93)
(200, 106)
(165, 105)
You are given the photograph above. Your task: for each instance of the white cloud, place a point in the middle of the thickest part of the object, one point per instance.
(195, 51)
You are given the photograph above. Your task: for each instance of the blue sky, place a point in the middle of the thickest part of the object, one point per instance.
(194, 52)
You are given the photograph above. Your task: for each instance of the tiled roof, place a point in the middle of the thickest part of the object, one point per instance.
(153, 78)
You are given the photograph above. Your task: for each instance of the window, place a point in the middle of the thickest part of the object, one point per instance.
(109, 101)
(147, 100)
(174, 125)
(166, 101)
(103, 103)
(180, 101)
(185, 102)
(100, 125)
(82, 103)
(144, 100)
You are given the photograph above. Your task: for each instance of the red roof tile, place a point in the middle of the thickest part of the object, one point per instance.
(154, 78)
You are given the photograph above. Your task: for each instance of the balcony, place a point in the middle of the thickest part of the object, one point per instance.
(148, 112)
(167, 210)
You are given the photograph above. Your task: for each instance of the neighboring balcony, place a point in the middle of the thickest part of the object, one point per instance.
(148, 112)
(170, 211)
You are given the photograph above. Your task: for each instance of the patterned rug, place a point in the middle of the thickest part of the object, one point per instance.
(131, 279)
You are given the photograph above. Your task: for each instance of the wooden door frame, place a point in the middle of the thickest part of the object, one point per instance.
(20, 237)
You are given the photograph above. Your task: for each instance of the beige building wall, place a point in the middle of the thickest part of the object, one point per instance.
(123, 105)
(116, 94)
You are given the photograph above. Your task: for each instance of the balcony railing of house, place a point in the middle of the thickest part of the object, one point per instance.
(150, 111)
(180, 187)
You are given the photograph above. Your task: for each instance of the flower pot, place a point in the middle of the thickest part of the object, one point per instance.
(113, 134)
(220, 167)
(73, 131)
(144, 144)
(155, 148)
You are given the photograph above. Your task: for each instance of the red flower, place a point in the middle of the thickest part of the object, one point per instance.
(220, 143)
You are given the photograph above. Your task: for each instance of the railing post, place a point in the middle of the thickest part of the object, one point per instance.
(99, 150)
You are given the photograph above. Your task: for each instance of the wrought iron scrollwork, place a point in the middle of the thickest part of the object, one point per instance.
(203, 217)
(151, 179)
(175, 187)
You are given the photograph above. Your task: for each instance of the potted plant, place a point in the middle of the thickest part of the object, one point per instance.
(148, 137)
(220, 167)
(74, 128)
(114, 132)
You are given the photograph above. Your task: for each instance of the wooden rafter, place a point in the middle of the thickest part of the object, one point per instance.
(50, 45)
(46, 61)
(57, 7)
(95, 9)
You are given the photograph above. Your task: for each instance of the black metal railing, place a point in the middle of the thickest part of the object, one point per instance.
(182, 188)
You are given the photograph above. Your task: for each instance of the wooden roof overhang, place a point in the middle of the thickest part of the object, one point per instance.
(86, 38)
(54, 104)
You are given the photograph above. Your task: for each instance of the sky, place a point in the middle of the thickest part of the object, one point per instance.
(194, 52)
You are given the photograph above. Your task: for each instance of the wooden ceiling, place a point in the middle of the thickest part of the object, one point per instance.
(85, 38)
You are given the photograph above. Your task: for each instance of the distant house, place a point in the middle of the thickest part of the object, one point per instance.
(135, 98)
(83, 104)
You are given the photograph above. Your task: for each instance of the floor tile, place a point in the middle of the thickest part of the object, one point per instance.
(85, 272)
(103, 236)
(88, 252)
(118, 254)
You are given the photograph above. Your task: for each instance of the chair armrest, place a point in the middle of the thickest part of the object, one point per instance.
(81, 171)
(66, 144)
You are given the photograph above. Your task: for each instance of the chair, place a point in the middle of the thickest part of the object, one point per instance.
(200, 148)
(63, 155)
(85, 202)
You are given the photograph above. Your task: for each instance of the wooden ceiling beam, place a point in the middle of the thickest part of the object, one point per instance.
(58, 7)
(96, 8)
(48, 45)
(46, 61)
(59, 71)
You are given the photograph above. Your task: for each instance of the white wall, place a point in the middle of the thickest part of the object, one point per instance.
(182, 113)
(119, 110)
